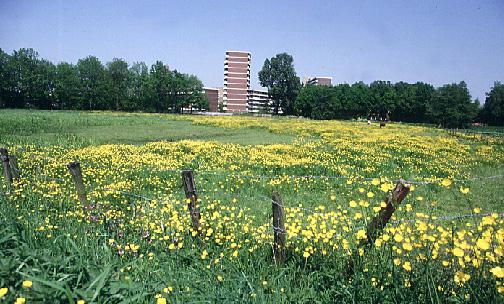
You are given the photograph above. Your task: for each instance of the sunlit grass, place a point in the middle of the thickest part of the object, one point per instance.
(137, 244)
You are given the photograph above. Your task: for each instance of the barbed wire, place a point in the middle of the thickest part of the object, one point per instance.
(292, 177)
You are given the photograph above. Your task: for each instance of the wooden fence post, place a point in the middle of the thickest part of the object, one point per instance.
(15, 171)
(75, 171)
(279, 233)
(4, 155)
(193, 205)
(376, 226)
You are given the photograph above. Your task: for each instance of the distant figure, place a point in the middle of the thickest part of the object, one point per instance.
(382, 124)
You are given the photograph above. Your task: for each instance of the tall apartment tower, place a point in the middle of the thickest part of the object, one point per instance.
(236, 81)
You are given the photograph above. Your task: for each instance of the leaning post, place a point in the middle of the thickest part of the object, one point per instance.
(191, 195)
(75, 171)
(392, 201)
(279, 232)
(7, 173)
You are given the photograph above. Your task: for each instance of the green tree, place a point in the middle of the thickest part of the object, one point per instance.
(493, 109)
(44, 85)
(138, 90)
(383, 97)
(279, 76)
(317, 102)
(360, 100)
(24, 68)
(160, 86)
(6, 80)
(451, 106)
(119, 76)
(93, 78)
(67, 88)
(194, 97)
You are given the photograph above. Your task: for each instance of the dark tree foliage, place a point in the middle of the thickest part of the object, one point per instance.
(26, 81)
(67, 89)
(279, 76)
(493, 109)
(448, 106)
(451, 106)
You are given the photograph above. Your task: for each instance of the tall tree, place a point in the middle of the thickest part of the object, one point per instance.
(68, 87)
(360, 100)
(6, 80)
(160, 86)
(119, 76)
(24, 68)
(279, 76)
(493, 109)
(139, 94)
(94, 84)
(451, 106)
(383, 97)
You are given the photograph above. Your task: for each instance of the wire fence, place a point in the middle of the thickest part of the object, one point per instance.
(152, 198)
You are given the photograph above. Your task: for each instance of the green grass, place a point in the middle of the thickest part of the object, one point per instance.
(77, 261)
(85, 128)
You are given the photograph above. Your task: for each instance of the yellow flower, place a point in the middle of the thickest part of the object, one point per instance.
(353, 204)
(370, 194)
(407, 246)
(81, 302)
(306, 254)
(458, 252)
(498, 272)
(398, 238)
(3, 291)
(464, 190)
(265, 283)
(460, 277)
(161, 301)
(27, 284)
(376, 181)
(220, 278)
(482, 244)
(446, 182)
(407, 266)
(477, 210)
(20, 301)
(361, 234)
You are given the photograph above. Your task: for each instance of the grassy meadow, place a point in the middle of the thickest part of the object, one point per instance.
(135, 242)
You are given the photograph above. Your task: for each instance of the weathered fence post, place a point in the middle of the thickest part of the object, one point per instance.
(279, 233)
(15, 171)
(193, 205)
(392, 201)
(4, 155)
(376, 226)
(75, 171)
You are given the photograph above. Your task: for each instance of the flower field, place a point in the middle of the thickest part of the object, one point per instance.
(135, 241)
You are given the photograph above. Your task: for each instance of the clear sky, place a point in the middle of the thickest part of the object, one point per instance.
(433, 41)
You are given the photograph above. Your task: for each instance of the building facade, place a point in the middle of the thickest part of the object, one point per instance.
(236, 81)
(258, 102)
(212, 95)
(327, 81)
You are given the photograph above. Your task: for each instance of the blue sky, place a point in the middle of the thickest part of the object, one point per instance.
(433, 41)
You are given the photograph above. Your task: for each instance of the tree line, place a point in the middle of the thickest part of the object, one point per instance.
(449, 105)
(28, 81)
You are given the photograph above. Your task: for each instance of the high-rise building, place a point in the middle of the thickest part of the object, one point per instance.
(236, 81)
(327, 81)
